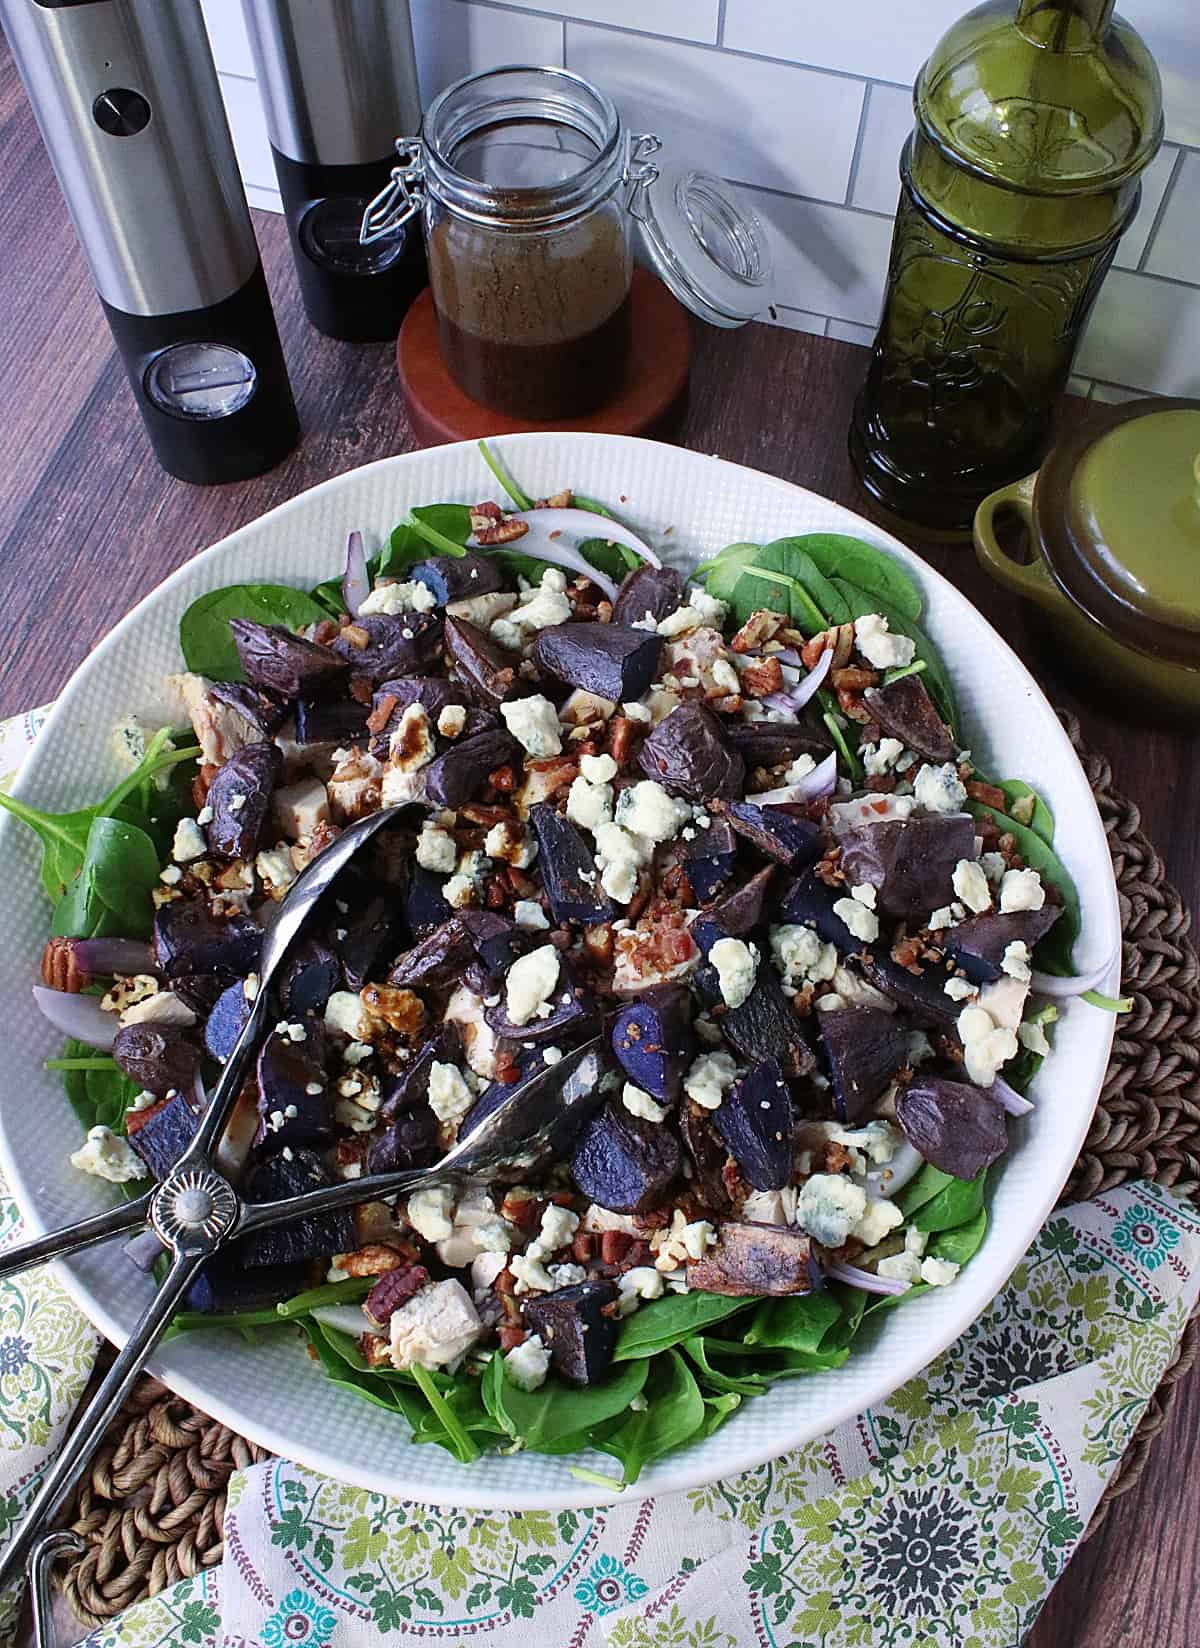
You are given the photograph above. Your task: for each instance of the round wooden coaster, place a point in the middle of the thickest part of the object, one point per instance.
(650, 402)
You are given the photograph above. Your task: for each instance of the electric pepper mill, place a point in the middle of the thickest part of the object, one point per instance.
(126, 96)
(338, 80)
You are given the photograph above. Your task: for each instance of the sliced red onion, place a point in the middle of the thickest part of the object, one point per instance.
(343, 1318)
(812, 681)
(1015, 1103)
(1049, 984)
(80, 1017)
(106, 956)
(356, 580)
(811, 787)
(544, 548)
(779, 701)
(583, 523)
(789, 655)
(143, 1250)
(865, 1279)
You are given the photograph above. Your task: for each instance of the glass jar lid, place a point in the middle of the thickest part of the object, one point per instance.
(708, 246)
(1118, 512)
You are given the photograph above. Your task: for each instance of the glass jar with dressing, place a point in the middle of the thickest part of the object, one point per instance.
(530, 188)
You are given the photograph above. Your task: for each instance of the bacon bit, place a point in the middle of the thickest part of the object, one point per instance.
(881, 783)
(583, 1246)
(761, 626)
(521, 1211)
(614, 1245)
(504, 532)
(622, 735)
(835, 1158)
(479, 812)
(762, 678)
(325, 632)
(382, 713)
(907, 952)
(361, 689)
(840, 638)
(556, 500)
(520, 883)
(355, 635)
(376, 1259)
(735, 1186)
(510, 1335)
(598, 943)
(394, 1289)
(503, 779)
(61, 968)
(802, 1001)
(508, 1070)
(495, 895)
(987, 793)
(400, 1010)
(829, 868)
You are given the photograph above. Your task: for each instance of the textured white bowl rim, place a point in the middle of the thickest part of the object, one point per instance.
(721, 1455)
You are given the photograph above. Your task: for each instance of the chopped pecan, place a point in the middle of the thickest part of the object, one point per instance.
(382, 713)
(519, 1210)
(502, 532)
(484, 814)
(355, 635)
(850, 703)
(394, 1288)
(495, 894)
(325, 632)
(583, 1246)
(201, 784)
(762, 678)
(556, 500)
(834, 1158)
(840, 638)
(375, 1352)
(361, 689)
(853, 678)
(376, 1259)
(761, 626)
(503, 779)
(614, 1245)
(508, 1070)
(61, 967)
(400, 1010)
(622, 737)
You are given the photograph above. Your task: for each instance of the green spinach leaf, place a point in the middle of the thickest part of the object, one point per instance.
(98, 1090)
(869, 569)
(542, 1419)
(794, 1324)
(963, 1242)
(1018, 794)
(937, 678)
(922, 1188)
(204, 634)
(446, 526)
(110, 897)
(956, 1203)
(677, 1316)
(673, 1414)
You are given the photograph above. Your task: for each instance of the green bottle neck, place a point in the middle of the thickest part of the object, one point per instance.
(1064, 25)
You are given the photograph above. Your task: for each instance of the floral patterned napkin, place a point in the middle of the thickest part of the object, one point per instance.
(942, 1517)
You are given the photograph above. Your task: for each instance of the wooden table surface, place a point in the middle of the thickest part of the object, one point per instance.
(89, 524)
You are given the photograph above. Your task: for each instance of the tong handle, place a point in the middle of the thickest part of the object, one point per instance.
(56, 1244)
(88, 1427)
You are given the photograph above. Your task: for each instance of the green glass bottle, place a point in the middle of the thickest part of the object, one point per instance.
(1034, 122)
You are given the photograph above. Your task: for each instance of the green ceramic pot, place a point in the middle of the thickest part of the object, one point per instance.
(1114, 522)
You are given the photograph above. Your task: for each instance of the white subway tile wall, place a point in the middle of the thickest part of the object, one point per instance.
(808, 105)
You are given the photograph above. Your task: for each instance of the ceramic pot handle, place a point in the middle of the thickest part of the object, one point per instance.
(1028, 579)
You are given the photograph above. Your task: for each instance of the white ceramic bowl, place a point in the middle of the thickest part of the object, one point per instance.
(272, 1392)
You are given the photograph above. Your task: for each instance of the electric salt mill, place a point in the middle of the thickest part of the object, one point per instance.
(126, 96)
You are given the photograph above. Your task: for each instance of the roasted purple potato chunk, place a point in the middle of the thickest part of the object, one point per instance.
(331, 721)
(425, 905)
(487, 672)
(432, 692)
(906, 711)
(311, 1237)
(226, 1285)
(737, 912)
(706, 1150)
(402, 645)
(610, 660)
(409, 1141)
(910, 863)
(282, 663)
(647, 592)
(572, 1011)
(437, 959)
(921, 994)
(457, 776)
(160, 1057)
(755, 1121)
(263, 710)
(654, 1042)
(623, 1163)
(977, 945)
(708, 859)
(229, 1017)
(749, 1258)
(809, 902)
(765, 1026)
(308, 978)
(959, 1128)
(163, 1137)
(568, 868)
(240, 797)
(774, 743)
(187, 940)
(457, 577)
(791, 841)
(289, 1113)
(688, 752)
(572, 1323)
(864, 1048)
(410, 1089)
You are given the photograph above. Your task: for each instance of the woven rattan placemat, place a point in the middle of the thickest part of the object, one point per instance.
(153, 1505)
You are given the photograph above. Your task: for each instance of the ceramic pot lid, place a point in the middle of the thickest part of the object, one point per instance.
(1117, 508)
(707, 244)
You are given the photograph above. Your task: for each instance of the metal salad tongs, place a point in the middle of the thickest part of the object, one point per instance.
(195, 1210)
